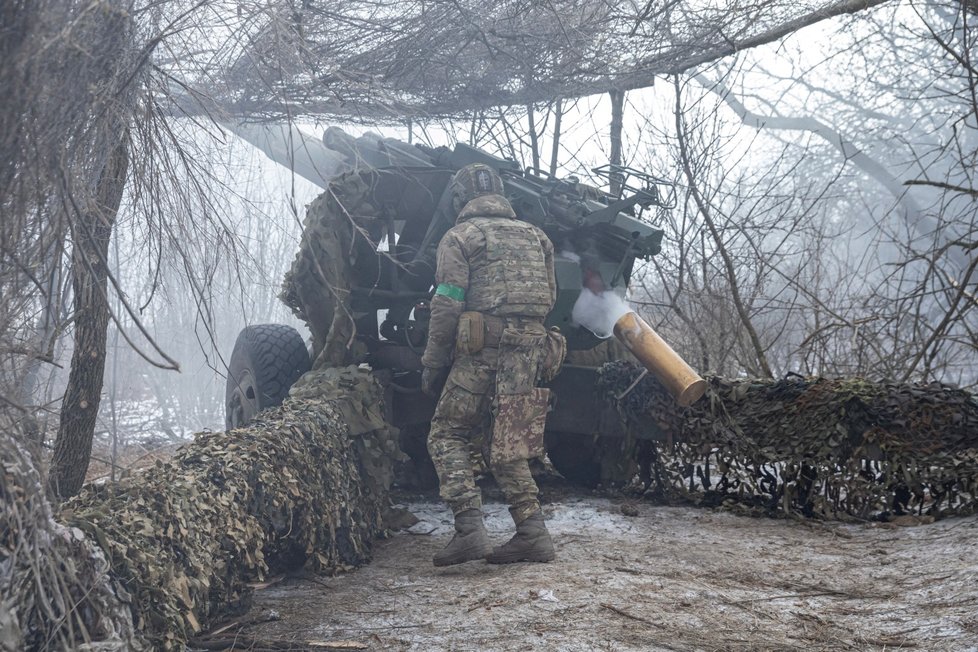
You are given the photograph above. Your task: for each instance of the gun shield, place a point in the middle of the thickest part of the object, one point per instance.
(659, 358)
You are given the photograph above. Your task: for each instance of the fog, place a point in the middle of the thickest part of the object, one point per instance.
(825, 225)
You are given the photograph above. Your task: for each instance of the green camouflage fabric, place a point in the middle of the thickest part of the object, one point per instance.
(518, 426)
(505, 267)
(304, 483)
(520, 410)
(514, 275)
(339, 227)
(554, 353)
(359, 399)
(458, 428)
(520, 354)
(842, 448)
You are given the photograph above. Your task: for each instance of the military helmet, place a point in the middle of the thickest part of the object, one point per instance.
(474, 180)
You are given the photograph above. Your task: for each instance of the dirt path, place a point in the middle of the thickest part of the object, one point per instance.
(669, 578)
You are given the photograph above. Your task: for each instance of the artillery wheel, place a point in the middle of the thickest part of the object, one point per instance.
(266, 361)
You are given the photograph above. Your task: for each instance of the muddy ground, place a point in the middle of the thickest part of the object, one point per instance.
(665, 578)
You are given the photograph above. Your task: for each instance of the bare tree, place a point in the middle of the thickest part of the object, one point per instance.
(95, 148)
(874, 274)
(65, 162)
(90, 256)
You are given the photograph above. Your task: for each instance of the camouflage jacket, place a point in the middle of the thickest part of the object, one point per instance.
(490, 262)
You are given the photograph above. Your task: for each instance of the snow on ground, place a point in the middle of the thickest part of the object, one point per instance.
(667, 578)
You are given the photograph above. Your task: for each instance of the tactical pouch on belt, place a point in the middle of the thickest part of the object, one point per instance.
(518, 367)
(554, 352)
(520, 408)
(470, 338)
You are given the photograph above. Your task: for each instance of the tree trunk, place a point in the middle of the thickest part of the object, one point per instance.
(617, 121)
(534, 138)
(79, 409)
(555, 146)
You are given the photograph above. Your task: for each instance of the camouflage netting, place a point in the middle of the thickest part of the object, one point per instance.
(55, 589)
(305, 483)
(337, 225)
(844, 448)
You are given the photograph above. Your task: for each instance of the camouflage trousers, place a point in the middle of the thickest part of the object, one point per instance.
(461, 423)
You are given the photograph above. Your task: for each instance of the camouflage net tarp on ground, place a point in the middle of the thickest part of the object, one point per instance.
(303, 484)
(835, 448)
(55, 590)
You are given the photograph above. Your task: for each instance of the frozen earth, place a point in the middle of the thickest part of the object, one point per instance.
(661, 578)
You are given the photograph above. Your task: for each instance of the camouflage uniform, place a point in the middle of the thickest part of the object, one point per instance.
(494, 264)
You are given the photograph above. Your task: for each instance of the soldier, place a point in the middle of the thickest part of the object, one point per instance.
(496, 283)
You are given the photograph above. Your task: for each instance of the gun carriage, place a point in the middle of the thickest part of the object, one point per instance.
(394, 199)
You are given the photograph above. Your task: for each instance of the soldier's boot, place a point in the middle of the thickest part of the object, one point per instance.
(469, 543)
(530, 543)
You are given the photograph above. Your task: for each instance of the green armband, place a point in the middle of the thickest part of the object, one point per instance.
(451, 291)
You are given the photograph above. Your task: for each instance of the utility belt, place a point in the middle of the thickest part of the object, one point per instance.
(477, 330)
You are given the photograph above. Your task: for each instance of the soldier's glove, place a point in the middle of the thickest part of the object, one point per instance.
(433, 380)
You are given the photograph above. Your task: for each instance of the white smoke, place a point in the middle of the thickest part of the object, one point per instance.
(599, 312)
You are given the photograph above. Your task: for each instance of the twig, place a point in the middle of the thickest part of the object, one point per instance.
(386, 627)
(786, 596)
(242, 643)
(631, 571)
(258, 586)
(221, 630)
(632, 386)
(248, 643)
(481, 605)
(887, 642)
(314, 580)
(241, 623)
(622, 612)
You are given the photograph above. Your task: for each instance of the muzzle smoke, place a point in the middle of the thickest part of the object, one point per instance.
(599, 311)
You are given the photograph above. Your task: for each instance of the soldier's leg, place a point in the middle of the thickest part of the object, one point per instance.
(461, 411)
(519, 487)
(531, 542)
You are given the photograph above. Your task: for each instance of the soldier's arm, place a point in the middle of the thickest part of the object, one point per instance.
(452, 279)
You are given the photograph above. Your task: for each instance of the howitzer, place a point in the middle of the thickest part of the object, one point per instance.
(365, 272)
(592, 230)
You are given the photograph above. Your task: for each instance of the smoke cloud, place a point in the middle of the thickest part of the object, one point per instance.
(598, 312)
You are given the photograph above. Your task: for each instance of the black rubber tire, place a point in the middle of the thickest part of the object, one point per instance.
(266, 361)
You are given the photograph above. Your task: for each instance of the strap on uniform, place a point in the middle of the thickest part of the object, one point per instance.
(451, 291)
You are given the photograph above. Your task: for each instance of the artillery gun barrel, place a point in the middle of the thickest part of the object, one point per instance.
(658, 357)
